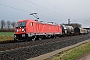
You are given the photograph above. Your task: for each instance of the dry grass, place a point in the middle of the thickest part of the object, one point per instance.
(72, 53)
(6, 38)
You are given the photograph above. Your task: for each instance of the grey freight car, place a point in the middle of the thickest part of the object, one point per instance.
(67, 30)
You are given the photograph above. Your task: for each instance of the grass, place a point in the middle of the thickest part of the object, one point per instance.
(6, 33)
(5, 36)
(72, 53)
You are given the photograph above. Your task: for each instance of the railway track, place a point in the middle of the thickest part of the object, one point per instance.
(13, 45)
(25, 50)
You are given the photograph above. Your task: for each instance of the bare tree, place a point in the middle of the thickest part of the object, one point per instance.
(2, 24)
(13, 24)
(74, 25)
(8, 24)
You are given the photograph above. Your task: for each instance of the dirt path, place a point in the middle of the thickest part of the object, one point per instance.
(85, 56)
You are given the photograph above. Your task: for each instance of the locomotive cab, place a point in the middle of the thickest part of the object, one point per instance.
(20, 30)
(24, 29)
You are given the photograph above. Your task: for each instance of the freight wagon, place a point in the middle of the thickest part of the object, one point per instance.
(78, 31)
(67, 30)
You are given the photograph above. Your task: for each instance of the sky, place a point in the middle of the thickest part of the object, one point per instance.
(58, 11)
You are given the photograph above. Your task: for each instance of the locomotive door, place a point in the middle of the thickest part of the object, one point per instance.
(31, 27)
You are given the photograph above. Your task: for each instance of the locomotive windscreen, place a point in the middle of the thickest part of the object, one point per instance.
(21, 24)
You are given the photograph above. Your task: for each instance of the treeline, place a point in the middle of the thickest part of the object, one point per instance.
(73, 24)
(7, 26)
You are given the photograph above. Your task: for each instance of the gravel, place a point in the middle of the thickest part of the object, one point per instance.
(37, 48)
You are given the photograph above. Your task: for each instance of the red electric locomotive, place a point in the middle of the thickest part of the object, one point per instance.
(31, 29)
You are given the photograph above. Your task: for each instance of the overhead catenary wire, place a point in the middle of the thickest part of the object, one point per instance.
(37, 9)
(45, 8)
(41, 10)
(61, 9)
(14, 8)
(50, 12)
(21, 10)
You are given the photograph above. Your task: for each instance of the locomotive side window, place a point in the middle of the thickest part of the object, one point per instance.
(31, 24)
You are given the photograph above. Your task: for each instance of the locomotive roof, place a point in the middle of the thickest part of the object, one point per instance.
(36, 21)
(26, 20)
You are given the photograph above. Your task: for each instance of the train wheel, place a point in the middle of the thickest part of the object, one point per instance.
(33, 39)
(49, 36)
(54, 37)
(40, 38)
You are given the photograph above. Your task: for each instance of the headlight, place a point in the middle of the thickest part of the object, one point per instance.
(22, 29)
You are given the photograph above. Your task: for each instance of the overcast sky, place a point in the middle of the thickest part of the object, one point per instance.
(58, 11)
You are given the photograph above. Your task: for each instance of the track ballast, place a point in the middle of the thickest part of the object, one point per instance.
(25, 50)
